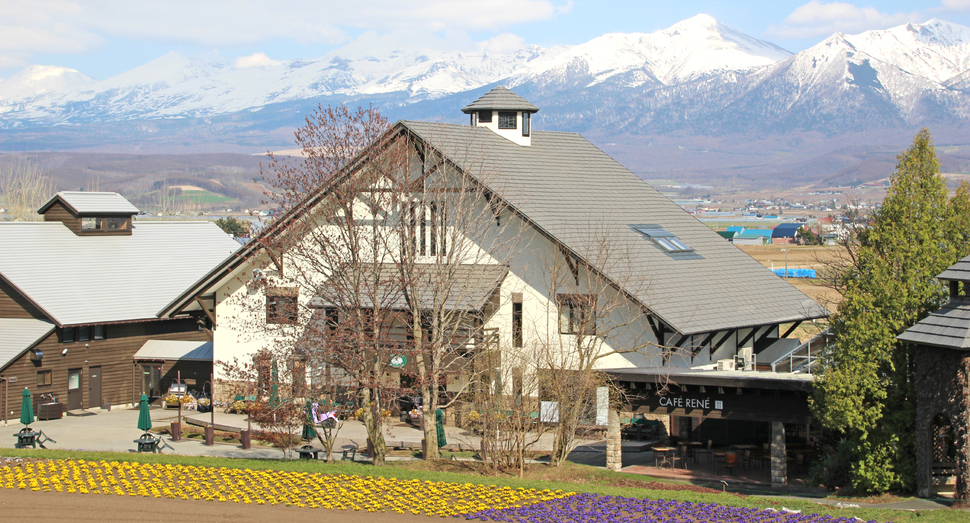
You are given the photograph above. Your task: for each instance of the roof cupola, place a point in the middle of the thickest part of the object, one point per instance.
(505, 113)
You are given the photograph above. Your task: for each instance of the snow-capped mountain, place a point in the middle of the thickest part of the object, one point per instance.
(174, 86)
(698, 76)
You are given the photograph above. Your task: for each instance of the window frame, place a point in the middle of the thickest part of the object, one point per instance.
(506, 115)
(517, 325)
(526, 123)
(282, 306)
(485, 116)
(68, 335)
(84, 333)
(579, 313)
(98, 332)
(48, 380)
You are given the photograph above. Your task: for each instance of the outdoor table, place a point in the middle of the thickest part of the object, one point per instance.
(26, 437)
(147, 443)
(691, 445)
(308, 452)
(745, 447)
(664, 454)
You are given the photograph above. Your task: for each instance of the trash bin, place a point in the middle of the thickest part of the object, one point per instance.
(244, 439)
(176, 430)
(210, 436)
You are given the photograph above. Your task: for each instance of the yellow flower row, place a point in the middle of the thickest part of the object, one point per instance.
(267, 487)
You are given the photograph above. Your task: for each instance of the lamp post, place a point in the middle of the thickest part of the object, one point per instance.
(786, 263)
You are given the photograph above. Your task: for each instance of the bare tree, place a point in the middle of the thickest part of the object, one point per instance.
(23, 189)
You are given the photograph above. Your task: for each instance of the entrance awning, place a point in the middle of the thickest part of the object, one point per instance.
(169, 350)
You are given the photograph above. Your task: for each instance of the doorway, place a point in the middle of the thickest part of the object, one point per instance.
(74, 393)
(94, 387)
(151, 380)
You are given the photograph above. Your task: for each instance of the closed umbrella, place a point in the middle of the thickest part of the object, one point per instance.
(144, 416)
(308, 431)
(26, 409)
(274, 386)
(440, 425)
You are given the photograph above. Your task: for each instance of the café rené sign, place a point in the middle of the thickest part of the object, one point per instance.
(681, 402)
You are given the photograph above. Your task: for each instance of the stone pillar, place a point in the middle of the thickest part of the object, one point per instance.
(614, 450)
(779, 458)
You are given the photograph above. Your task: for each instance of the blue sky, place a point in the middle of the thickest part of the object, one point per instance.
(102, 38)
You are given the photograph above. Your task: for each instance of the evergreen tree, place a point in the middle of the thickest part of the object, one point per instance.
(866, 387)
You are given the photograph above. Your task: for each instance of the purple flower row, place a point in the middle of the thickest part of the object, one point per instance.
(608, 509)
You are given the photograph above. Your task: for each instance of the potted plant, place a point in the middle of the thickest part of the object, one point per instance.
(171, 401)
(205, 405)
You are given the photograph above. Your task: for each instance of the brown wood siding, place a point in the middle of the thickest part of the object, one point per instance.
(120, 383)
(59, 213)
(14, 305)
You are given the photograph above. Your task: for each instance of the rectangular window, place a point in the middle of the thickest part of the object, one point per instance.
(424, 233)
(526, 123)
(577, 314)
(263, 362)
(434, 229)
(333, 320)
(506, 120)
(105, 223)
(299, 377)
(67, 335)
(84, 334)
(44, 378)
(281, 305)
(485, 116)
(517, 324)
(99, 332)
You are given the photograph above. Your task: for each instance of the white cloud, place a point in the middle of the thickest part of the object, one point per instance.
(957, 5)
(822, 19)
(502, 44)
(77, 26)
(256, 60)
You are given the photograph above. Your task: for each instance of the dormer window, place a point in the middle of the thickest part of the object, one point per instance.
(105, 223)
(506, 120)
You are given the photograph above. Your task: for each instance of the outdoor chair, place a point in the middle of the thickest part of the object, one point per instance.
(747, 459)
(730, 461)
(708, 451)
(635, 430)
(682, 456)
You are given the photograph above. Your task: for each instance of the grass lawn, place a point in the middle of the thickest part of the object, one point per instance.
(571, 478)
(203, 197)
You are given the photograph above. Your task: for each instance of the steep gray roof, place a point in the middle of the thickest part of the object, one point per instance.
(960, 271)
(19, 335)
(92, 203)
(948, 327)
(99, 279)
(575, 192)
(500, 99)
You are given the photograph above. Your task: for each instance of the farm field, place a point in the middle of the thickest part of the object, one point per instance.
(802, 257)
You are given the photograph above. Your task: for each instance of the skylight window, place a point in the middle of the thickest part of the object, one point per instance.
(665, 239)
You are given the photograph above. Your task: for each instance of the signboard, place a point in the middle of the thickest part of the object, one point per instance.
(788, 408)
(398, 361)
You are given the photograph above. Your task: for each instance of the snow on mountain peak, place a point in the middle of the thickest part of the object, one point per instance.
(37, 80)
(936, 50)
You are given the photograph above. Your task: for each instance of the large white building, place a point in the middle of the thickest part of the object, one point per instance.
(674, 290)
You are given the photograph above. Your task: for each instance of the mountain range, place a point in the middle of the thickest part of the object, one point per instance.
(700, 86)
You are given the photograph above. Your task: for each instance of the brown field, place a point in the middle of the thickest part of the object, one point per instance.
(802, 257)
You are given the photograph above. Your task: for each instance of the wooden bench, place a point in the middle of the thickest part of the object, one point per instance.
(215, 426)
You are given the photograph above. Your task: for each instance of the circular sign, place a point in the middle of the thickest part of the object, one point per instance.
(398, 361)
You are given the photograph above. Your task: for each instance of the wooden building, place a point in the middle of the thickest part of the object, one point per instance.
(80, 295)
(943, 391)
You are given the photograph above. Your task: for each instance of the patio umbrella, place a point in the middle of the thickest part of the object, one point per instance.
(440, 425)
(26, 409)
(308, 431)
(274, 386)
(144, 417)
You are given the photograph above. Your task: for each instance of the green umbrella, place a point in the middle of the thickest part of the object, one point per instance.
(144, 417)
(308, 431)
(440, 425)
(274, 386)
(26, 409)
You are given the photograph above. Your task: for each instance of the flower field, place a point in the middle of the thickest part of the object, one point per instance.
(466, 501)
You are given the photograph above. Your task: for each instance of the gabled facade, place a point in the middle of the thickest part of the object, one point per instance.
(590, 233)
(79, 295)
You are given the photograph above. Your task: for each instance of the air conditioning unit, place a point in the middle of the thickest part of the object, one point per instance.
(725, 365)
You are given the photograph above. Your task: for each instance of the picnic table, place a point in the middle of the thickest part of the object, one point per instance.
(148, 443)
(25, 438)
(308, 452)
